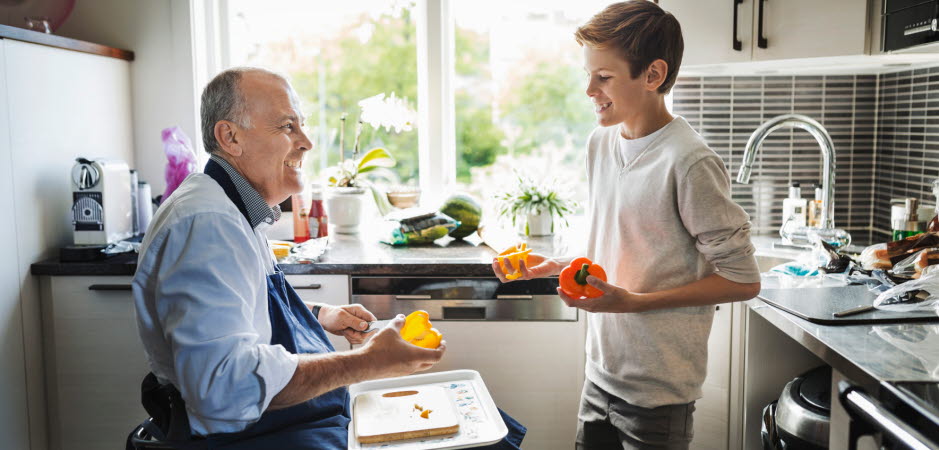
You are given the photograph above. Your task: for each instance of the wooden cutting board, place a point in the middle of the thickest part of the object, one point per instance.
(390, 415)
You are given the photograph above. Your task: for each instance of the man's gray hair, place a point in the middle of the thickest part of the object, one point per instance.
(223, 99)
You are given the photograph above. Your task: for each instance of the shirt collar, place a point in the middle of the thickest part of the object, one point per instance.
(258, 210)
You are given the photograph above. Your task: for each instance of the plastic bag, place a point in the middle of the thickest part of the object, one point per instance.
(414, 227)
(871, 258)
(915, 295)
(181, 159)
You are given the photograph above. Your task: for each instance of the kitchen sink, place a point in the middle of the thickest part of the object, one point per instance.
(766, 262)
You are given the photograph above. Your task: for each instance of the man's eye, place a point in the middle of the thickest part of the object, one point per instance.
(289, 126)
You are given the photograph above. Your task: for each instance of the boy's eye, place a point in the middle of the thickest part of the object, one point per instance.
(603, 78)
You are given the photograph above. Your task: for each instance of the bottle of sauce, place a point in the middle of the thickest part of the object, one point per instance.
(301, 231)
(317, 219)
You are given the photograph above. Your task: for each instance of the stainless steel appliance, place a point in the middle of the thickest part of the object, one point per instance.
(449, 298)
(101, 204)
(908, 23)
(800, 419)
(905, 416)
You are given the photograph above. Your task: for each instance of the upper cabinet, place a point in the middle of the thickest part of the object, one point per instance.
(733, 31)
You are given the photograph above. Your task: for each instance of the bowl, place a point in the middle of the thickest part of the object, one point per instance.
(404, 197)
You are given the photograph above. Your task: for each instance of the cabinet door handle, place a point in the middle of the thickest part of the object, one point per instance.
(760, 40)
(514, 297)
(413, 297)
(309, 286)
(738, 46)
(109, 287)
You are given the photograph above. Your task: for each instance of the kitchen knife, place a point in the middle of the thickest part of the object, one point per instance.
(377, 325)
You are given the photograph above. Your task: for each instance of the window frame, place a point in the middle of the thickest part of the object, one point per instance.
(435, 72)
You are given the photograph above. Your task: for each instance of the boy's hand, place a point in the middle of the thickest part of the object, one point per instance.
(614, 299)
(541, 266)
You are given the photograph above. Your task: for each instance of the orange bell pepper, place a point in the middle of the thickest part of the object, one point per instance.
(573, 279)
(514, 254)
(418, 330)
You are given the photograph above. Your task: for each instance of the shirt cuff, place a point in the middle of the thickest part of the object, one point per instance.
(276, 367)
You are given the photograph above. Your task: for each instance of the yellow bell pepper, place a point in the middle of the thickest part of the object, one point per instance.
(418, 330)
(514, 254)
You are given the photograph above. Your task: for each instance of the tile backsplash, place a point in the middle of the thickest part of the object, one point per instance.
(880, 126)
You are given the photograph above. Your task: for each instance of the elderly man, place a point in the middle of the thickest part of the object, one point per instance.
(234, 353)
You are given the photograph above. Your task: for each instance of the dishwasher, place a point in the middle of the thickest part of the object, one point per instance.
(524, 341)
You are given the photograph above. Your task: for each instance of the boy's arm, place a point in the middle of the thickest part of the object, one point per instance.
(722, 232)
(710, 290)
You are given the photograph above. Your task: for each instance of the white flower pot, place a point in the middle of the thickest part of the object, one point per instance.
(541, 224)
(344, 208)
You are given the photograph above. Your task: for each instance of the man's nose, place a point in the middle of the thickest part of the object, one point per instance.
(304, 143)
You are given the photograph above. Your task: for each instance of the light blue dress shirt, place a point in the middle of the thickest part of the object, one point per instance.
(200, 293)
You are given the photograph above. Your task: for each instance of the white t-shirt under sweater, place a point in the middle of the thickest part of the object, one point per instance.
(659, 220)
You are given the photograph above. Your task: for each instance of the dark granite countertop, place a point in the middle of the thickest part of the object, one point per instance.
(356, 255)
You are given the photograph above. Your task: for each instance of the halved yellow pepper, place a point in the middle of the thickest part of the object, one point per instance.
(417, 330)
(514, 254)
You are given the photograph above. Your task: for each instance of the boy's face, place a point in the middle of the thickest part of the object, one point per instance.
(617, 96)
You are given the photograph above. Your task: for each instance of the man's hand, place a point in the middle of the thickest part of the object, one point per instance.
(346, 320)
(390, 356)
(541, 266)
(614, 299)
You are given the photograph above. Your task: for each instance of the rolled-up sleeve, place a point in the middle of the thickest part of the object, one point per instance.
(206, 302)
(720, 226)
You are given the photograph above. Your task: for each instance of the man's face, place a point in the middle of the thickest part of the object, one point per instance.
(617, 96)
(274, 144)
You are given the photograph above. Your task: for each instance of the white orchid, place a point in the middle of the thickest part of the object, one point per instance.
(390, 113)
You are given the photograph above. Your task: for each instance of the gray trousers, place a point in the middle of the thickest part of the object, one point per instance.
(608, 422)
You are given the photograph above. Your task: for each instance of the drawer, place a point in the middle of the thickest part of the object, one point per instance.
(328, 289)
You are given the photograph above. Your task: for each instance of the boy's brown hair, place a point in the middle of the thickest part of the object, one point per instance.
(642, 31)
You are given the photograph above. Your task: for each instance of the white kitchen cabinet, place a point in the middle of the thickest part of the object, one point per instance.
(328, 289)
(712, 412)
(791, 28)
(534, 371)
(94, 361)
(14, 424)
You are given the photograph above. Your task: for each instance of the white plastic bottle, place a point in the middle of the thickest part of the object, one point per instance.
(795, 207)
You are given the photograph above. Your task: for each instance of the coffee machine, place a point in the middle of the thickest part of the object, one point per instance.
(101, 203)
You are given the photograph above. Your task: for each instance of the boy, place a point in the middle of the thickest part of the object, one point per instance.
(664, 227)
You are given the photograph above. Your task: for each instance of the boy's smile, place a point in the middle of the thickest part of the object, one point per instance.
(621, 99)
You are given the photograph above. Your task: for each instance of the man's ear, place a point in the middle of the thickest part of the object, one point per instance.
(226, 134)
(655, 74)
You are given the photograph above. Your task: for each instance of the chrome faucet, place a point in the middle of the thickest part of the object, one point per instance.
(828, 157)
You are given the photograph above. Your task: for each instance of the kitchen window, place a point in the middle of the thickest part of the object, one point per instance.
(497, 85)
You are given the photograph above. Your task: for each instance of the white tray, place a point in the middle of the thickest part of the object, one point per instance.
(480, 421)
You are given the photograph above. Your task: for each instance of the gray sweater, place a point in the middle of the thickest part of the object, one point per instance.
(661, 220)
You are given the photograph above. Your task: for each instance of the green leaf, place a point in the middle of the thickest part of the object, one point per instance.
(375, 158)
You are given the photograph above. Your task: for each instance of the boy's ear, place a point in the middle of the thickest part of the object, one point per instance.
(655, 74)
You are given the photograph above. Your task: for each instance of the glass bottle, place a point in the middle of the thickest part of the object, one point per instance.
(933, 226)
(301, 230)
(318, 224)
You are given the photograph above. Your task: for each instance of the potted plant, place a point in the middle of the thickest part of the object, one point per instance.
(347, 181)
(535, 205)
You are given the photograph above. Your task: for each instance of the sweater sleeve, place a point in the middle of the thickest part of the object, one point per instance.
(720, 226)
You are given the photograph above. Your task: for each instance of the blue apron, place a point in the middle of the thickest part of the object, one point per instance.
(319, 423)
